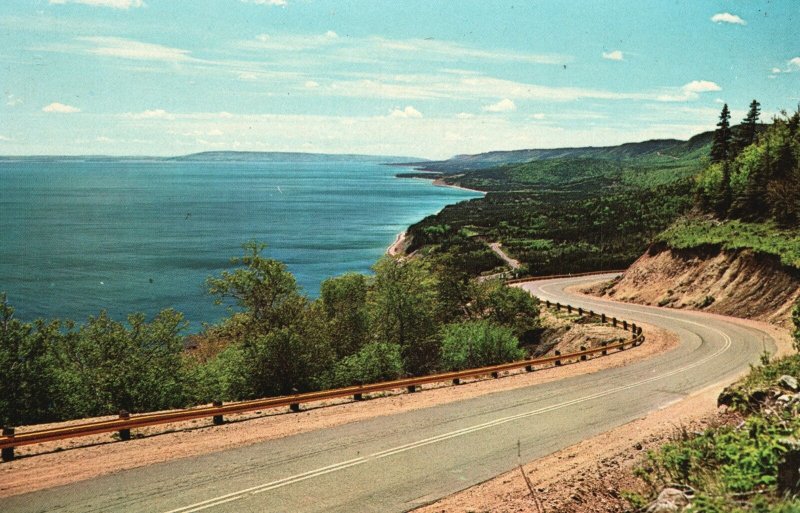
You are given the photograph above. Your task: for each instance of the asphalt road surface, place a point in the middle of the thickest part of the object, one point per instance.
(399, 462)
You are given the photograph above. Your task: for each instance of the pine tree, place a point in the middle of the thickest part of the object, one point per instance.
(721, 145)
(746, 135)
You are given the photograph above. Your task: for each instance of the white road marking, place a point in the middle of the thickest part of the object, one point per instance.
(222, 499)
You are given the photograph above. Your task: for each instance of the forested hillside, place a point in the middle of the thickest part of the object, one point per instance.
(748, 196)
(567, 210)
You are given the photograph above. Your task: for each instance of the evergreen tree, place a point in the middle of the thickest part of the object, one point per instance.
(721, 145)
(746, 135)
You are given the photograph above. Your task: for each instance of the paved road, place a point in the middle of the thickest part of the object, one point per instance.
(398, 462)
(498, 249)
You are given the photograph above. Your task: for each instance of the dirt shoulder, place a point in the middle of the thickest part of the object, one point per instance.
(63, 462)
(590, 476)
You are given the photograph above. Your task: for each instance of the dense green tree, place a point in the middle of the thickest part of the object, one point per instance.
(374, 362)
(478, 344)
(105, 366)
(263, 287)
(28, 385)
(403, 304)
(510, 307)
(344, 302)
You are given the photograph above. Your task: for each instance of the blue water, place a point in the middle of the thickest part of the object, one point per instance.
(125, 236)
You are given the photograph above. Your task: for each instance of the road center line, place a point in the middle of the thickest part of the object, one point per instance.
(222, 499)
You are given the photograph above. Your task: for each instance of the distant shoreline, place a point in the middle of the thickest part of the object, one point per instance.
(401, 241)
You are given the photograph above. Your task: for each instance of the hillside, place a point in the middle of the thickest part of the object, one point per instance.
(563, 210)
(653, 148)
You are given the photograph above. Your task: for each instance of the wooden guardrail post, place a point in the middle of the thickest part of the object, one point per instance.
(633, 331)
(580, 312)
(529, 368)
(495, 374)
(358, 396)
(412, 388)
(547, 303)
(569, 309)
(295, 407)
(558, 353)
(218, 420)
(625, 325)
(124, 434)
(456, 381)
(603, 318)
(605, 351)
(558, 307)
(614, 321)
(8, 452)
(583, 356)
(591, 314)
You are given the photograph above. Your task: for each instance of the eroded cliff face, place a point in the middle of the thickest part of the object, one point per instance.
(738, 283)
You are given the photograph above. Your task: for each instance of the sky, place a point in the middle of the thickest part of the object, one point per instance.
(385, 77)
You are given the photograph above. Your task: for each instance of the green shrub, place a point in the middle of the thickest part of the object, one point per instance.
(796, 322)
(478, 344)
(376, 361)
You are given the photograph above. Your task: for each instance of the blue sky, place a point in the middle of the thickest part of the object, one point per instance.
(401, 77)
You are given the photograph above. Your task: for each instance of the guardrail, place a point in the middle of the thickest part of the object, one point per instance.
(10, 439)
(556, 276)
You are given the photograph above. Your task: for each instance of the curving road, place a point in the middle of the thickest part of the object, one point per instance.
(399, 462)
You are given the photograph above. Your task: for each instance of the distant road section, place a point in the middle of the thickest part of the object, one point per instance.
(397, 462)
(498, 249)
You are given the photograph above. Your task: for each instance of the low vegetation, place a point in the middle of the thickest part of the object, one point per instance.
(411, 317)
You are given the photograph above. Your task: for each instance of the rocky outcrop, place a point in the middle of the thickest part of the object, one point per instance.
(739, 283)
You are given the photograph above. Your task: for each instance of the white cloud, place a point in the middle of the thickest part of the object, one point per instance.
(690, 91)
(726, 17)
(465, 115)
(538, 116)
(408, 112)
(331, 34)
(700, 86)
(115, 4)
(247, 76)
(794, 63)
(5, 139)
(504, 105)
(616, 55)
(310, 84)
(13, 100)
(281, 3)
(776, 70)
(104, 139)
(136, 50)
(60, 108)
(149, 114)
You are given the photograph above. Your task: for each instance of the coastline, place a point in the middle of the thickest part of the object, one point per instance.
(438, 182)
(398, 247)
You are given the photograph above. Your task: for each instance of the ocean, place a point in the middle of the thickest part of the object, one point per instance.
(78, 237)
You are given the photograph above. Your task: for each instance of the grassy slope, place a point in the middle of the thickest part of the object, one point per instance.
(733, 235)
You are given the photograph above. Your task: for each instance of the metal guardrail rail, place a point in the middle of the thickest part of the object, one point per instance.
(9, 439)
